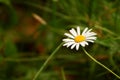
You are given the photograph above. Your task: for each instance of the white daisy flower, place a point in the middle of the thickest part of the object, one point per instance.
(76, 38)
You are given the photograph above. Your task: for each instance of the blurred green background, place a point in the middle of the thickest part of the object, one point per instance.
(30, 30)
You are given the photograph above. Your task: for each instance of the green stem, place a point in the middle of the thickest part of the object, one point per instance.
(63, 74)
(100, 63)
(46, 62)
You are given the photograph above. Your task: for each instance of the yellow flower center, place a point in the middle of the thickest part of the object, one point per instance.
(79, 38)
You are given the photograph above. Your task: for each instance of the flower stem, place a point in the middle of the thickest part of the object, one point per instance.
(100, 63)
(46, 62)
(63, 74)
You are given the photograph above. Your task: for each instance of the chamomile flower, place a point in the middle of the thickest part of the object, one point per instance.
(75, 38)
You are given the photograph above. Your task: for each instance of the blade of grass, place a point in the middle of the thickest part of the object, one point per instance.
(46, 62)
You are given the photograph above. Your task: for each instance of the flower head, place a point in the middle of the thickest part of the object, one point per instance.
(75, 38)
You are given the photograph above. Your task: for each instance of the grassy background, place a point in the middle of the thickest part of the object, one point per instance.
(26, 42)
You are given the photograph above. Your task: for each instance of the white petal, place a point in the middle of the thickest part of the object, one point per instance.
(78, 30)
(73, 32)
(69, 35)
(93, 33)
(82, 44)
(89, 34)
(65, 44)
(89, 31)
(68, 40)
(91, 38)
(73, 46)
(90, 41)
(70, 43)
(85, 42)
(84, 31)
(77, 46)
